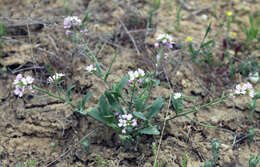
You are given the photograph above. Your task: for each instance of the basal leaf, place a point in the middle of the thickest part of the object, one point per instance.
(69, 92)
(86, 98)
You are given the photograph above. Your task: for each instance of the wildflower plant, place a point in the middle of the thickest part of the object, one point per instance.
(215, 145)
(205, 48)
(125, 106)
(252, 31)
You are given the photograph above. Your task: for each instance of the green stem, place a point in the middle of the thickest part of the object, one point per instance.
(132, 95)
(215, 101)
(53, 95)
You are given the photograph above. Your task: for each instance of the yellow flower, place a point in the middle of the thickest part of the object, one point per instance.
(188, 39)
(233, 34)
(229, 13)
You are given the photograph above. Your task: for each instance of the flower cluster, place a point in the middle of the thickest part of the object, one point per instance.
(242, 89)
(125, 121)
(21, 83)
(166, 40)
(133, 75)
(71, 22)
(91, 68)
(56, 77)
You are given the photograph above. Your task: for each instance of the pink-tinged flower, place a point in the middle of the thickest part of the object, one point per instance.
(134, 122)
(164, 41)
(71, 21)
(84, 31)
(156, 45)
(68, 32)
(19, 90)
(123, 131)
(67, 23)
(168, 45)
(231, 95)
(139, 80)
(248, 86)
(141, 72)
(124, 116)
(18, 79)
(31, 89)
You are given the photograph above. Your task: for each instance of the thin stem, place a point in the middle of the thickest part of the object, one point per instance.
(53, 95)
(132, 95)
(215, 101)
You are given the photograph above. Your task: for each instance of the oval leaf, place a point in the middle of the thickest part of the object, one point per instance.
(152, 130)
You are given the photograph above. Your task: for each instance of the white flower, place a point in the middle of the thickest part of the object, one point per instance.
(29, 79)
(123, 131)
(240, 89)
(251, 93)
(75, 21)
(141, 72)
(91, 68)
(248, 86)
(129, 117)
(19, 90)
(55, 77)
(177, 95)
(165, 38)
(67, 22)
(131, 75)
(120, 124)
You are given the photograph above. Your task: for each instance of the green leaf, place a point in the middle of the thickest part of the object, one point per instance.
(69, 92)
(139, 104)
(85, 99)
(139, 115)
(104, 107)
(155, 108)
(94, 113)
(112, 101)
(2, 30)
(86, 144)
(123, 82)
(152, 130)
(100, 72)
